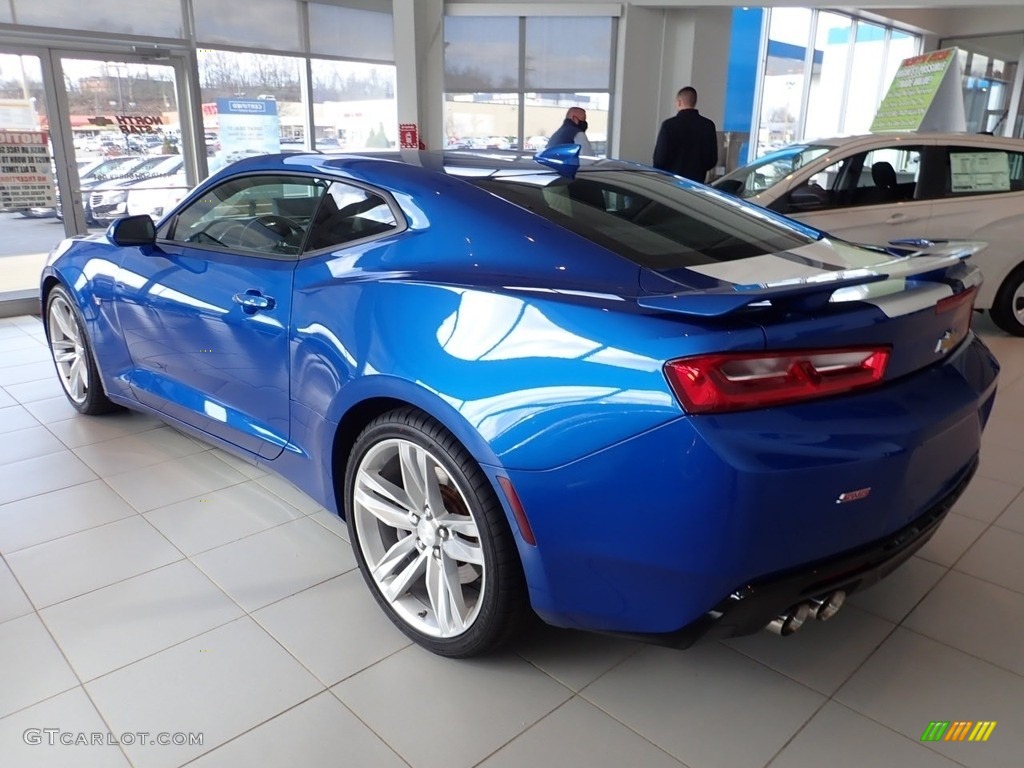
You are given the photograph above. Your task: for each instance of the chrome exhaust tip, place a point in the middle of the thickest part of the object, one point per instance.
(788, 623)
(824, 608)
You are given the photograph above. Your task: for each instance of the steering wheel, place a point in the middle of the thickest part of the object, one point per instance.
(289, 230)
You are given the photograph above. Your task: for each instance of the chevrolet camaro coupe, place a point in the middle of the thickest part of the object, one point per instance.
(581, 389)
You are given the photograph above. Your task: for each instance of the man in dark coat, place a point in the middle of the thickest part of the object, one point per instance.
(687, 143)
(573, 131)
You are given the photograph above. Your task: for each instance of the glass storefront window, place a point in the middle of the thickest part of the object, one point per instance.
(157, 18)
(27, 215)
(269, 24)
(864, 92)
(492, 102)
(481, 54)
(782, 83)
(355, 33)
(850, 67)
(252, 104)
(481, 120)
(584, 65)
(902, 45)
(829, 88)
(127, 138)
(354, 107)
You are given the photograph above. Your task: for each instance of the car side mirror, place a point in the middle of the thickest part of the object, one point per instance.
(808, 197)
(133, 230)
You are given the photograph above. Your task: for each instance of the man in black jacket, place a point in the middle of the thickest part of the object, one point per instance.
(687, 143)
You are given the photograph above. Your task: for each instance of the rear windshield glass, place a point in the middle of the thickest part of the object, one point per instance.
(650, 219)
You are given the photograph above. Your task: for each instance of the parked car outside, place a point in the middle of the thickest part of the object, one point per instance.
(98, 172)
(622, 400)
(105, 201)
(890, 186)
(109, 200)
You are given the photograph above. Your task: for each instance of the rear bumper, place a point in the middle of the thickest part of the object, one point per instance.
(654, 535)
(752, 606)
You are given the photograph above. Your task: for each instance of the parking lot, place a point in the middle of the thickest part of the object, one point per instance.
(20, 236)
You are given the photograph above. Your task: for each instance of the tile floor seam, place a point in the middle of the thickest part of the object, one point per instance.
(192, 760)
(992, 664)
(233, 541)
(157, 425)
(104, 478)
(953, 566)
(628, 727)
(153, 653)
(71, 669)
(879, 723)
(32, 606)
(829, 698)
(299, 661)
(575, 696)
(948, 645)
(797, 732)
(276, 600)
(633, 652)
(365, 724)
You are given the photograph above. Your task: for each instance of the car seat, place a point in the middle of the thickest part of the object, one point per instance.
(884, 176)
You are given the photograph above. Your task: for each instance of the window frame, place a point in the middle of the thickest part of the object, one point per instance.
(402, 222)
(168, 227)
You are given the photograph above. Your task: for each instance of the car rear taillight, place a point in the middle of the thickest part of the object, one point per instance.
(737, 381)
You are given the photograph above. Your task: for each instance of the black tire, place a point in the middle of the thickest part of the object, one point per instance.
(1008, 307)
(471, 523)
(72, 355)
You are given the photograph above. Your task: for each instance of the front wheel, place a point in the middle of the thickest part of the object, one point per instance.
(431, 538)
(72, 354)
(1008, 307)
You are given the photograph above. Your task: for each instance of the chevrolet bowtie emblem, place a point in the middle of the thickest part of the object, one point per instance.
(945, 343)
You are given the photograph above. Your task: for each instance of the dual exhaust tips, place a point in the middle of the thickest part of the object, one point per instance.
(821, 608)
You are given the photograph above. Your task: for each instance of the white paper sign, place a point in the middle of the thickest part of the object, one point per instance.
(979, 171)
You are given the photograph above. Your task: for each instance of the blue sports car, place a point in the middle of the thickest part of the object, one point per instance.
(586, 390)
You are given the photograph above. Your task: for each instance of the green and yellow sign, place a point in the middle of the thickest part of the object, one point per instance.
(958, 730)
(913, 91)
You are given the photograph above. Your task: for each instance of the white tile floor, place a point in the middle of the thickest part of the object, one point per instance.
(149, 583)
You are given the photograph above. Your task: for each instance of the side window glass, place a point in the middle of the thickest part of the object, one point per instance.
(823, 191)
(349, 213)
(266, 214)
(888, 175)
(981, 171)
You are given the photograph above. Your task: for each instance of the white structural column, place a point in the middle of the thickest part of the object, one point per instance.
(419, 64)
(660, 51)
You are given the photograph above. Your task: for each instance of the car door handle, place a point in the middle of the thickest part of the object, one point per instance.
(253, 301)
(896, 218)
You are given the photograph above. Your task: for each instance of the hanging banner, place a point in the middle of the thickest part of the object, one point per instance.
(18, 115)
(248, 127)
(26, 176)
(925, 95)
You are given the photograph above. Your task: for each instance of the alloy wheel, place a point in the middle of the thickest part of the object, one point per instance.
(419, 538)
(68, 350)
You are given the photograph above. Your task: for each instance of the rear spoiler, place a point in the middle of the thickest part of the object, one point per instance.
(913, 257)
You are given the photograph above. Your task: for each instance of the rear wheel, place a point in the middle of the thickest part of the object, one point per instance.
(431, 538)
(1008, 308)
(72, 355)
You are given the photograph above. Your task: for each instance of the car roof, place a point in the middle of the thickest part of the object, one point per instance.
(911, 136)
(462, 163)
